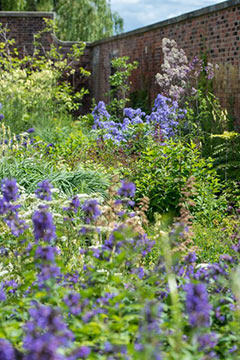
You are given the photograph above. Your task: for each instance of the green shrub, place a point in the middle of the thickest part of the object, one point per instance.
(162, 171)
(226, 155)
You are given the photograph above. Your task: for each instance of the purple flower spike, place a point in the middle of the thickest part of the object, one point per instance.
(2, 297)
(46, 253)
(9, 190)
(197, 305)
(73, 302)
(91, 210)
(127, 189)
(43, 226)
(44, 190)
(74, 205)
(190, 258)
(6, 350)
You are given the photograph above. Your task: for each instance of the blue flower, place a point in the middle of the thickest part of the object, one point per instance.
(127, 189)
(81, 353)
(6, 350)
(44, 190)
(197, 305)
(43, 226)
(46, 253)
(91, 210)
(9, 190)
(2, 295)
(72, 300)
(31, 130)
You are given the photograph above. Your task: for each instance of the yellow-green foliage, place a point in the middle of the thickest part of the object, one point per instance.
(32, 89)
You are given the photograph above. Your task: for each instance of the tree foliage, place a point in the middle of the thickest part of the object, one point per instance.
(86, 20)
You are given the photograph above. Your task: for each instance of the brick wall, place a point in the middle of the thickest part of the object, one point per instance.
(214, 30)
(23, 26)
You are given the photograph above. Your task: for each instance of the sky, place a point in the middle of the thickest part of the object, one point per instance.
(138, 13)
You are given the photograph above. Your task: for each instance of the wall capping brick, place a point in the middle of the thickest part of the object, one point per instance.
(27, 14)
(67, 43)
(177, 19)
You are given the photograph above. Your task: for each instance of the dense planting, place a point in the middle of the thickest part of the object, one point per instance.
(119, 234)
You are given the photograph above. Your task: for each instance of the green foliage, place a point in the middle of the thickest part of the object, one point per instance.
(205, 116)
(119, 84)
(226, 154)
(214, 239)
(32, 89)
(140, 99)
(29, 172)
(87, 20)
(162, 171)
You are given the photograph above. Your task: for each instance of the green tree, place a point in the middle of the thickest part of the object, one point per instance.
(86, 20)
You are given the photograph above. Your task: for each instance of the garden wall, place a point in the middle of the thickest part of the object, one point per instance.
(214, 31)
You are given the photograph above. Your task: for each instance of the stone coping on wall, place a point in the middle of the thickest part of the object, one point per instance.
(26, 14)
(67, 43)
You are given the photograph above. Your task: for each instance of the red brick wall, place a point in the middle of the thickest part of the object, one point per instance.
(214, 31)
(23, 26)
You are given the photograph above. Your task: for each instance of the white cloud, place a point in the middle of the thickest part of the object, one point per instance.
(116, 3)
(138, 13)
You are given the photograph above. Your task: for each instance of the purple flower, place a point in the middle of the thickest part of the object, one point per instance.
(47, 272)
(45, 333)
(43, 226)
(127, 189)
(190, 258)
(6, 350)
(46, 253)
(81, 353)
(44, 190)
(49, 147)
(207, 341)
(9, 190)
(4, 206)
(72, 301)
(16, 225)
(31, 130)
(12, 285)
(74, 205)
(165, 115)
(227, 258)
(91, 210)
(100, 112)
(197, 305)
(2, 293)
